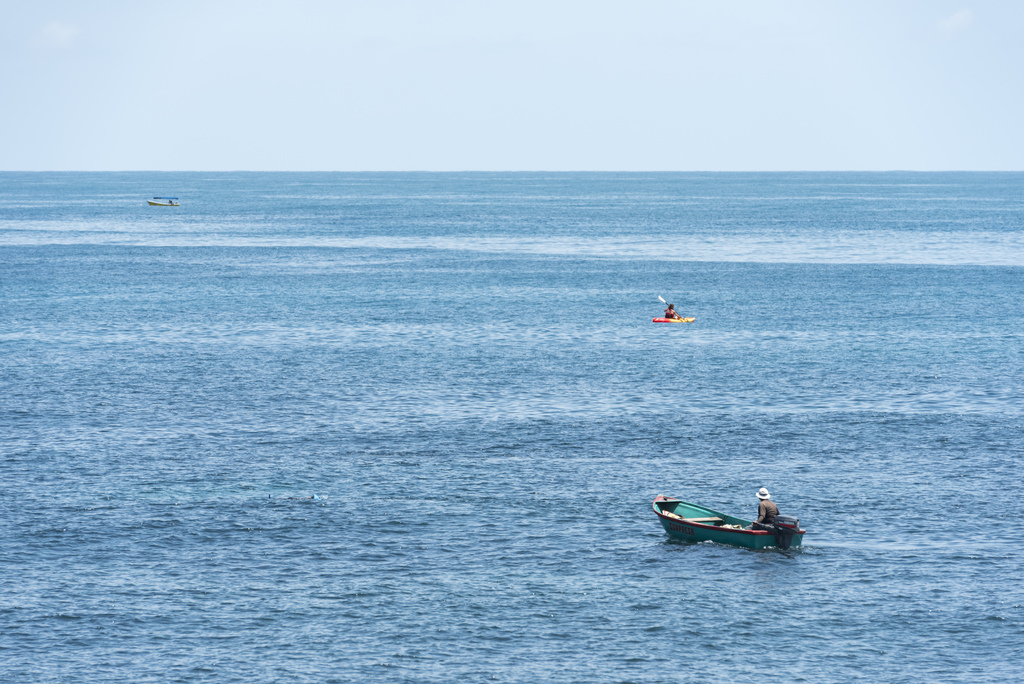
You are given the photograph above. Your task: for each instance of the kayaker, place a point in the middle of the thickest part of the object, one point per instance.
(670, 312)
(766, 511)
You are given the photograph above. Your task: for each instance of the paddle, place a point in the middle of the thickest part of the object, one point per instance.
(666, 304)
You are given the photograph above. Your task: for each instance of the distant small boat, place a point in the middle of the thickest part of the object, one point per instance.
(673, 320)
(691, 522)
(164, 202)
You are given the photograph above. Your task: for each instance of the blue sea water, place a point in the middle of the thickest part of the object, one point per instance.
(463, 368)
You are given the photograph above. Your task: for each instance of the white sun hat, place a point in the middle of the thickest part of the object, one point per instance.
(763, 494)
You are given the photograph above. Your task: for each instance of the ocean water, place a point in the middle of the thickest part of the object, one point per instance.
(462, 368)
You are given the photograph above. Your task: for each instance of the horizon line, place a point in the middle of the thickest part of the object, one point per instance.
(496, 171)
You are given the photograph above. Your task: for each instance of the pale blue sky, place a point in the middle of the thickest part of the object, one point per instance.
(392, 85)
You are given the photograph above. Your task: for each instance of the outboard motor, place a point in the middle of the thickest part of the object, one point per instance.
(785, 527)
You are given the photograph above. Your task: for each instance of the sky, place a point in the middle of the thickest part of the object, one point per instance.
(382, 85)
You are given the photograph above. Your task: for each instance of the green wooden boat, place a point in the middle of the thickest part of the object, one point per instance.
(690, 522)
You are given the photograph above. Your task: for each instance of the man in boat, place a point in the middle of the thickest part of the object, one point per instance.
(766, 511)
(670, 312)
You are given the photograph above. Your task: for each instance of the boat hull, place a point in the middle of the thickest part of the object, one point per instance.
(673, 320)
(671, 513)
(163, 204)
